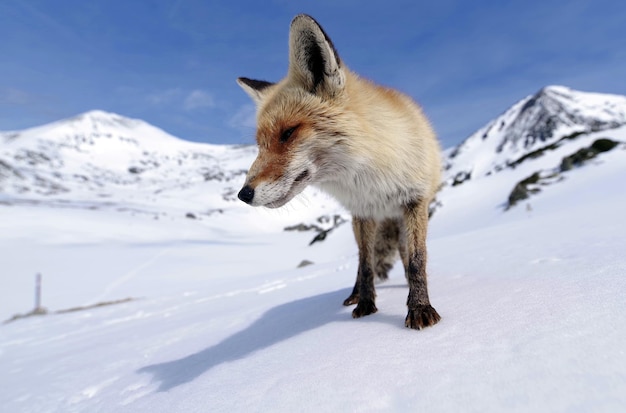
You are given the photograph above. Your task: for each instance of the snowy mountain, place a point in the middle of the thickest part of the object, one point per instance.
(104, 160)
(99, 156)
(537, 141)
(148, 310)
(536, 123)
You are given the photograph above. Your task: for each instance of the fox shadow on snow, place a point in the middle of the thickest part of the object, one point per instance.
(274, 326)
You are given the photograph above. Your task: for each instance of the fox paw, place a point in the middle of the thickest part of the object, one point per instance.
(353, 299)
(421, 316)
(363, 308)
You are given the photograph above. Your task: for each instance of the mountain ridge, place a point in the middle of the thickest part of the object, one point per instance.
(536, 121)
(105, 149)
(102, 157)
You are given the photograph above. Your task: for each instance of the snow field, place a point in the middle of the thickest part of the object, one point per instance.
(532, 305)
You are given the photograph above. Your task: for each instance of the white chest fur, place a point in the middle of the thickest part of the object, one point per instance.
(370, 195)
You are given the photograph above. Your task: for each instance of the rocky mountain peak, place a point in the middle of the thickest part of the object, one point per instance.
(532, 123)
(554, 108)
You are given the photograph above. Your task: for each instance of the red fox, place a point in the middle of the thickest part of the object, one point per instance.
(370, 147)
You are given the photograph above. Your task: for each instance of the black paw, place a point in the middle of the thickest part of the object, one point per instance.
(363, 308)
(353, 299)
(422, 316)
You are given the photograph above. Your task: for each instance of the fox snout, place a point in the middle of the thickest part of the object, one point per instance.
(271, 187)
(246, 194)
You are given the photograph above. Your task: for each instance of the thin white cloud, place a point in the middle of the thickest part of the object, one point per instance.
(165, 96)
(198, 99)
(244, 118)
(190, 100)
(13, 96)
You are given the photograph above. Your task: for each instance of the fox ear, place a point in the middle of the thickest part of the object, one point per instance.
(313, 61)
(256, 89)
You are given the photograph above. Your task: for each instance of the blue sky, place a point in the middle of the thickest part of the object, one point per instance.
(174, 63)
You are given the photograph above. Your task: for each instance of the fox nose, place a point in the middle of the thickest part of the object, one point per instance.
(246, 194)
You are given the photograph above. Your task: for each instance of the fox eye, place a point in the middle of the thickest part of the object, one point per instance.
(284, 137)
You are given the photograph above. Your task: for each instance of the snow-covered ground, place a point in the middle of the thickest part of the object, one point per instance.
(532, 302)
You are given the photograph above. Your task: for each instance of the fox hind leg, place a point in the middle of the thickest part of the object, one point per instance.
(386, 247)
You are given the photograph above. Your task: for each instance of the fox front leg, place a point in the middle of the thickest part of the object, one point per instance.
(421, 314)
(364, 294)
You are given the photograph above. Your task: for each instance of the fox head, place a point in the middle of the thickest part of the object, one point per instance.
(298, 134)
